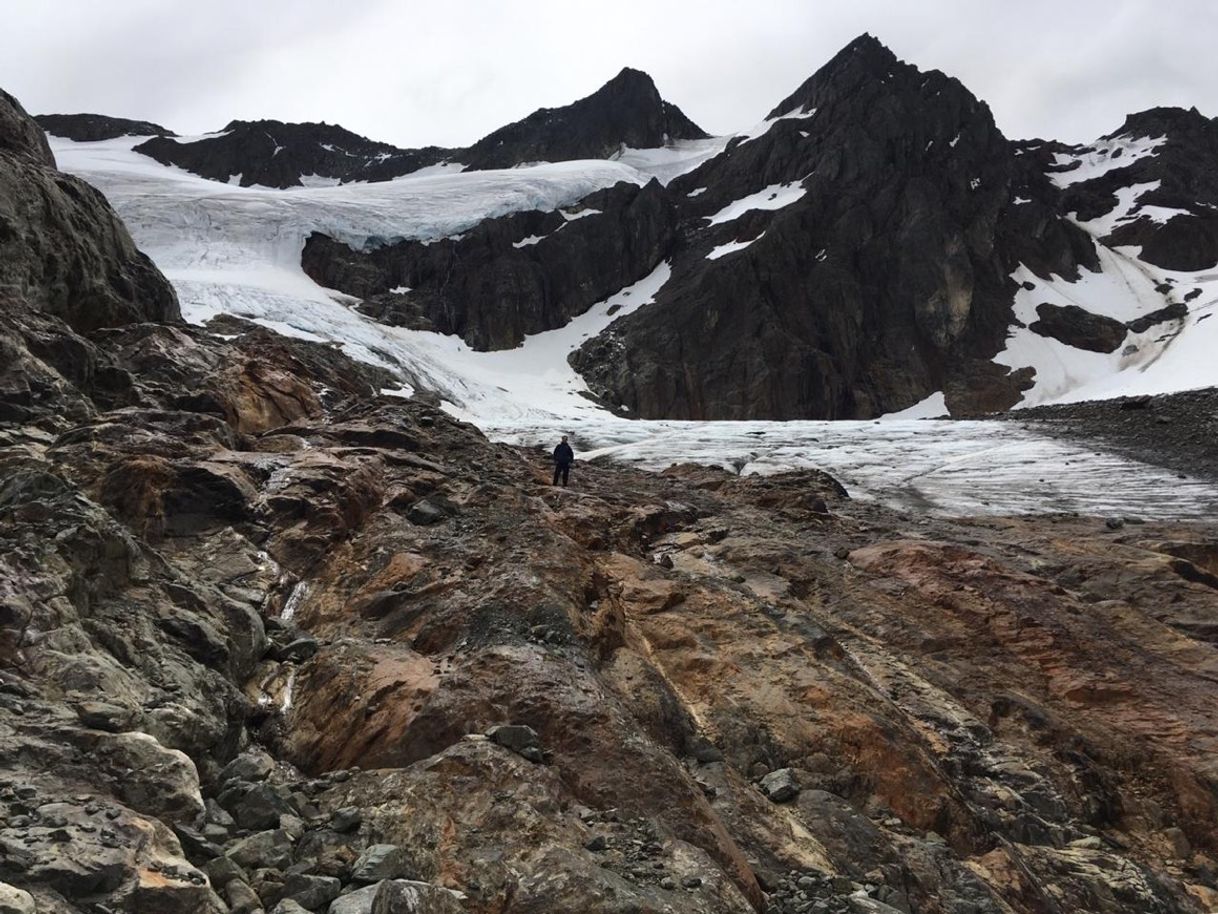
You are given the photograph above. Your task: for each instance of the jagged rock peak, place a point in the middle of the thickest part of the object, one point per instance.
(89, 128)
(627, 110)
(867, 66)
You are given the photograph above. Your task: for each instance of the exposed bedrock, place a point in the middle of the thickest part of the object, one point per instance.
(272, 641)
(62, 248)
(881, 282)
(90, 128)
(625, 112)
(510, 276)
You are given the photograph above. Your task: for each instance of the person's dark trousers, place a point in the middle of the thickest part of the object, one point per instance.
(563, 470)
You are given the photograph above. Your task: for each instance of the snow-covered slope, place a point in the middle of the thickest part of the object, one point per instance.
(231, 250)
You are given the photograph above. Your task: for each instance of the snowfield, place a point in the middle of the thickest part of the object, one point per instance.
(233, 250)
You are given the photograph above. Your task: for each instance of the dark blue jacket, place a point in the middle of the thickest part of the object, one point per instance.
(563, 455)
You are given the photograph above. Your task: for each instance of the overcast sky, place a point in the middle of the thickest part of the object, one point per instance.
(449, 71)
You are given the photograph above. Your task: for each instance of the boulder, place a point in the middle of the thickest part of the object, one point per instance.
(312, 892)
(272, 848)
(1079, 328)
(253, 765)
(780, 786)
(521, 739)
(400, 896)
(15, 901)
(384, 861)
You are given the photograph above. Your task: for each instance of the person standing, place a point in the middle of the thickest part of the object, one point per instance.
(563, 458)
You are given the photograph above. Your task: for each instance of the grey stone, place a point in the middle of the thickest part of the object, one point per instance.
(15, 901)
(780, 786)
(383, 861)
(297, 650)
(241, 898)
(271, 849)
(357, 902)
(223, 870)
(256, 806)
(519, 738)
(347, 819)
(426, 512)
(401, 896)
(253, 765)
(102, 715)
(311, 892)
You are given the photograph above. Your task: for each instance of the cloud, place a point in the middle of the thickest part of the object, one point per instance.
(415, 73)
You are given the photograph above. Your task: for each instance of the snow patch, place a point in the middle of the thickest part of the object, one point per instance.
(761, 129)
(667, 162)
(731, 247)
(933, 407)
(776, 196)
(1101, 158)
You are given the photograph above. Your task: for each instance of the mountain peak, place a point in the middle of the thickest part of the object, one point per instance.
(863, 60)
(627, 110)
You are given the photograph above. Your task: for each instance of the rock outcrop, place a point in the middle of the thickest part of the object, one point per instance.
(625, 112)
(237, 673)
(62, 248)
(1174, 217)
(1079, 328)
(878, 275)
(510, 276)
(275, 154)
(89, 128)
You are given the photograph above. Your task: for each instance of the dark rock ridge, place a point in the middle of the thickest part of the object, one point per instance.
(626, 111)
(511, 276)
(239, 674)
(872, 269)
(20, 136)
(886, 280)
(275, 154)
(89, 128)
(62, 248)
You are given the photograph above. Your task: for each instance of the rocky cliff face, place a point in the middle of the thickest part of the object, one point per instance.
(271, 641)
(1173, 216)
(511, 276)
(275, 154)
(62, 249)
(626, 111)
(883, 278)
